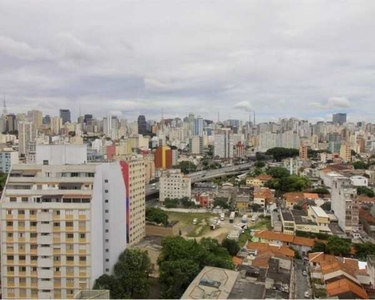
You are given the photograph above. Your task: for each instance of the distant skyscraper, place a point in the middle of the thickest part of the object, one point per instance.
(65, 115)
(339, 118)
(198, 126)
(224, 144)
(88, 119)
(47, 119)
(11, 123)
(142, 124)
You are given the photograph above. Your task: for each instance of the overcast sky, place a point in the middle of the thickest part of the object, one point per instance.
(304, 59)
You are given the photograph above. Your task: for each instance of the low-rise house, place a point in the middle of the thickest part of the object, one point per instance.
(343, 277)
(258, 181)
(296, 198)
(263, 197)
(301, 244)
(318, 215)
(297, 220)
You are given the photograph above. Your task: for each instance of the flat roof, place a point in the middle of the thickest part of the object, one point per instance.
(211, 283)
(319, 212)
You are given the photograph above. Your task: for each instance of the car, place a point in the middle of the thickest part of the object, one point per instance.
(304, 273)
(195, 221)
(307, 294)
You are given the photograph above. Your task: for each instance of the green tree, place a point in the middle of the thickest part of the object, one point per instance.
(231, 246)
(132, 271)
(175, 276)
(186, 202)
(130, 278)
(221, 202)
(278, 172)
(181, 260)
(170, 203)
(255, 207)
(297, 207)
(365, 191)
(326, 206)
(360, 165)
(3, 180)
(338, 246)
(156, 215)
(279, 153)
(187, 167)
(364, 249)
(320, 190)
(319, 247)
(260, 164)
(109, 282)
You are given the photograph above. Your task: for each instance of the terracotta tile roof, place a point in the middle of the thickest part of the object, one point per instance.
(237, 260)
(365, 199)
(262, 260)
(311, 195)
(286, 238)
(264, 177)
(264, 247)
(343, 286)
(318, 257)
(367, 216)
(293, 197)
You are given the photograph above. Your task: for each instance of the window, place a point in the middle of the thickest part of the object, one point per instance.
(106, 221)
(21, 224)
(69, 224)
(25, 199)
(106, 201)
(106, 191)
(81, 224)
(22, 257)
(34, 258)
(13, 199)
(32, 212)
(82, 258)
(33, 224)
(57, 258)
(10, 269)
(22, 269)
(70, 258)
(69, 247)
(45, 162)
(9, 212)
(106, 180)
(56, 224)
(10, 257)
(9, 223)
(107, 270)
(82, 235)
(57, 269)
(107, 260)
(69, 235)
(56, 212)
(33, 235)
(21, 212)
(69, 212)
(106, 211)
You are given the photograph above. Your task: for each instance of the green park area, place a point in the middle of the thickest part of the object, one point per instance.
(186, 222)
(262, 224)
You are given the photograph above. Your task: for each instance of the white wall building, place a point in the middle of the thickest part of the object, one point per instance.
(174, 185)
(359, 180)
(224, 144)
(67, 154)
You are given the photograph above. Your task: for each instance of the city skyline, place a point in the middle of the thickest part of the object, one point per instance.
(281, 59)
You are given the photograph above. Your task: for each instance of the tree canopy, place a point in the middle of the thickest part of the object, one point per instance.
(364, 249)
(338, 246)
(130, 278)
(156, 215)
(221, 202)
(181, 260)
(365, 191)
(231, 246)
(360, 165)
(278, 172)
(279, 153)
(3, 179)
(320, 190)
(187, 167)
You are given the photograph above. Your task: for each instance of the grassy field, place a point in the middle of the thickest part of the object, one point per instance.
(186, 222)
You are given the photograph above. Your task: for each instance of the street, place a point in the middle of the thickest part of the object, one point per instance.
(301, 282)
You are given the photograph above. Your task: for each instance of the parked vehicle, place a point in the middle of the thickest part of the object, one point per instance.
(222, 217)
(195, 221)
(307, 294)
(231, 217)
(304, 273)
(254, 218)
(244, 219)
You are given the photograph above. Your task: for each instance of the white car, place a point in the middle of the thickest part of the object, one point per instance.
(307, 294)
(195, 221)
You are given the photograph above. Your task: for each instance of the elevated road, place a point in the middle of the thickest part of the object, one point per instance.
(206, 175)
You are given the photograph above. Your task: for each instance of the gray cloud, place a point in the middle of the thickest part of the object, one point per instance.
(284, 58)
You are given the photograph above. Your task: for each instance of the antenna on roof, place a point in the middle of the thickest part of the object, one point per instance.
(5, 111)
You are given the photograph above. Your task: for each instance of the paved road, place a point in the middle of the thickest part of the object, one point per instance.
(301, 281)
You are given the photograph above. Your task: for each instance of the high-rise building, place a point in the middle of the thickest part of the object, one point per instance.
(224, 144)
(26, 135)
(345, 204)
(64, 229)
(303, 152)
(65, 115)
(196, 144)
(10, 123)
(142, 125)
(36, 117)
(133, 171)
(339, 118)
(346, 153)
(47, 119)
(198, 126)
(165, 157)
(174, 185)
(56, 124)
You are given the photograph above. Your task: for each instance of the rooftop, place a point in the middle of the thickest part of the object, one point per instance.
(319, 211)
(211, 283)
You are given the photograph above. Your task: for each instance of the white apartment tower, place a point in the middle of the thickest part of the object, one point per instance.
(345, 205)
(224, 144)
(62, 226)
(26, 135)
(174, 185)
(196, 144)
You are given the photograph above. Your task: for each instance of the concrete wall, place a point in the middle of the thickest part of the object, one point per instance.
(156, 230)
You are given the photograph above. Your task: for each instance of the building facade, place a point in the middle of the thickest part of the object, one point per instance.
(61, 228)
(7, 159)
(224, 144)
(174, 185)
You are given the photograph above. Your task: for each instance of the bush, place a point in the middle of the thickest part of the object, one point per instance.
(156, 215)
(170, 203)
